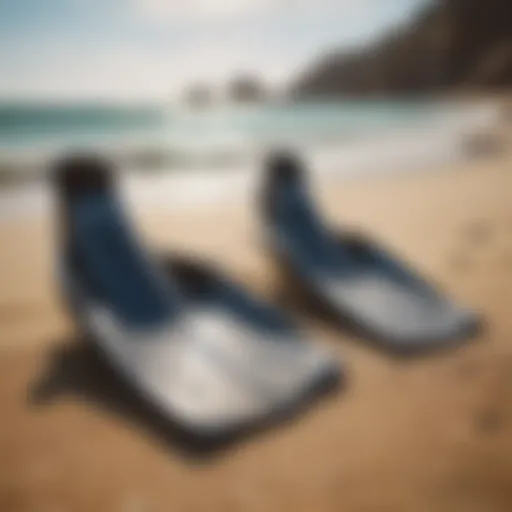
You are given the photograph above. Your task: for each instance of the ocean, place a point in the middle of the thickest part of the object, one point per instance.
(202, 153)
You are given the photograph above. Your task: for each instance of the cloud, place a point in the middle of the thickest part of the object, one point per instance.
(230, 10)
(197, 10)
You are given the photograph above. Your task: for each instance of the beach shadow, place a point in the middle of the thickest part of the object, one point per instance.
(78, 370)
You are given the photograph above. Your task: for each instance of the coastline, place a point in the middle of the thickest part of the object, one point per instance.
(188, 189)
(356, 136)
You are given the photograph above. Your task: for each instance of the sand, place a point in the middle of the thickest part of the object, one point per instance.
(431, 433)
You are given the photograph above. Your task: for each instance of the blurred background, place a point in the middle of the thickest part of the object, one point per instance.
(209, 85)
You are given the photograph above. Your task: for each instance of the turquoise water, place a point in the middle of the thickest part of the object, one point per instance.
(29, 127)
(32, 126)
(227, 136)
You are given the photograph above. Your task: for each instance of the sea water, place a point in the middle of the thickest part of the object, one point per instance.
(183, 156)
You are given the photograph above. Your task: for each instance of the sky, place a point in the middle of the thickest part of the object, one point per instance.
(155, 49)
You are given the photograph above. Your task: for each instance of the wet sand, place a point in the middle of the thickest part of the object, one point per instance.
(431, 433)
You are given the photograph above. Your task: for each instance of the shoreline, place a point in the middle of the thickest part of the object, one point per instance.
(346, 143)
(206, 187)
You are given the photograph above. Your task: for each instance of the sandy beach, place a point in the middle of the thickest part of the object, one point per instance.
(427, 434)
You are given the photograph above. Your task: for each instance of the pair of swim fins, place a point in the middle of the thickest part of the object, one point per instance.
(196, 347)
